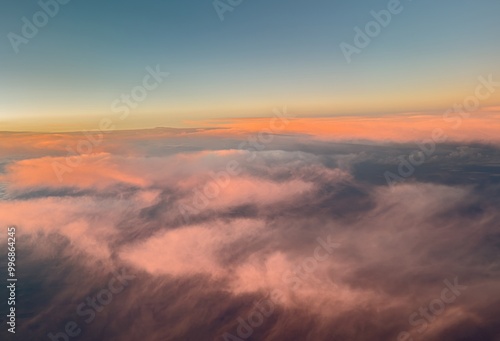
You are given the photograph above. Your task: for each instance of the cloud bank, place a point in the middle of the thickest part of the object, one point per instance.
(299, 238)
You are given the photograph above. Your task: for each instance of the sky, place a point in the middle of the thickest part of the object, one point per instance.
(177, 173)
(263, 55)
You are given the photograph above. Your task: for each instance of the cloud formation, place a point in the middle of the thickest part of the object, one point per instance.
(312, 219)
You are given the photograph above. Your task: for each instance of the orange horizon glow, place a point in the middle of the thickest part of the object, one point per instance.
(481, 126)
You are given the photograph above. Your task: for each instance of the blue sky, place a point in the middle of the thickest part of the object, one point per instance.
(264, 54)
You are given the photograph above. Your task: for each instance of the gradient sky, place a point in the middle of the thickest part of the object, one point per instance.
(265, 54)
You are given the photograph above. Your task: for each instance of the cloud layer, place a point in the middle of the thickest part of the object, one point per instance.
(209, 230)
